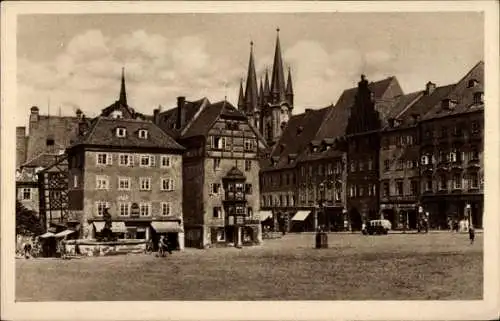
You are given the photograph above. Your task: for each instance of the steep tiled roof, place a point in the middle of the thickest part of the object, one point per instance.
(463, 94)
(42, 160)
(299, 132)
(168, 118)
(102, 133)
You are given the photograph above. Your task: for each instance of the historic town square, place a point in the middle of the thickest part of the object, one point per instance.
(240, 158)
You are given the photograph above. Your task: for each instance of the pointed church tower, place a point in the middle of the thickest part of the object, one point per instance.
(123, 92)
(289, 89)
(241, 98)
(267, 89)
(251, 93)
(278, 76)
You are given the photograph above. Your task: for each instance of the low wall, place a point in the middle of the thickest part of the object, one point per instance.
(95, 248)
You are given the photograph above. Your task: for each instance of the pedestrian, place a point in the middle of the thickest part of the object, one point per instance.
(471, 234)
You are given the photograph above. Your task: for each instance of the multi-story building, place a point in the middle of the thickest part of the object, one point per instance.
(452, 170)
(399, 167)
(270, 106)
(220, 172)
(371, 104)
(127, 166)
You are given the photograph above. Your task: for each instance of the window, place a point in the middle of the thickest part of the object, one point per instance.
(217, 212)
(478, 97)
(353, 166)
(101, 207)
(400, 164)
(215, 188)
(472, 83)
(453, 156)
(414, 188)
(165, 161)
(221, 235)
(249, 211)
(338, 192)
(352, 191)
(409, 164)
(104, 159)
(361, 191)
(143, 133)
(361, 166)
(218, 142)
(117, 114)
(474, 153)
(26, 194)
(145, 183)
(425, 160)
(121, 132)
(385, 188)
(216, 163)
(370, 164)
(329, 168)
(102, 182)
(50, 142)
(248, 165)
(444, 132)
(248, 145)
(125, 159)
(442, 182)
(457, 181)
(147, 160)
(124, 209)
(75, 181)
(248, 189)
(167, 184)
(399, 187)
(475, 127)
(166, 208)
(387, 164)
(474, 181)
(123, 183)
(145, 209)
(428, 184)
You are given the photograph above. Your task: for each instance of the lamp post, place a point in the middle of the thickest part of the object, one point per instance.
(344, 215)
(469, 214)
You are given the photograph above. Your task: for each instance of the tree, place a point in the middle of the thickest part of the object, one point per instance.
(27, 222)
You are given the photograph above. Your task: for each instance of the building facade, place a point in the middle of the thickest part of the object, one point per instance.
(123, 165)
(452, 153)
(220, 172)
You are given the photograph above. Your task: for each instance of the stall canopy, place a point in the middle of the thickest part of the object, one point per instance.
(166, 227)
(301, 215)
(64, 233)
(118, 227)
(99, 226)
(264, 215)
(46, 235)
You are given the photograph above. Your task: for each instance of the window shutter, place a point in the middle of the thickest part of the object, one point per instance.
(172, 187)
(152, 160)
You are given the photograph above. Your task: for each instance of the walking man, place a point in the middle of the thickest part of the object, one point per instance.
(471, 234)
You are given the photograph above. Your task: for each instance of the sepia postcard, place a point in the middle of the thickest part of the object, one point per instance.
(250, 160)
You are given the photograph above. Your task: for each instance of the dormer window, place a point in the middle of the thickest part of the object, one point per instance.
(448, 103)
(143, 133)
(478, 98)
(117, 114)
(472, 83)
(121, 132)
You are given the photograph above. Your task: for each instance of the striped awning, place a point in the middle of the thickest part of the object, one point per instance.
(301, 215)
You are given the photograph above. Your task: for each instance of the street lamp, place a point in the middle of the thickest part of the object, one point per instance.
(469, 214)
(344, 215)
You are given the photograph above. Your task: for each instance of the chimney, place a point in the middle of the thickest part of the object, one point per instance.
(363, 83)
(82, 125)
(180, 111)
(34, 114)
(429, 88)
(156, 116)
(79, 113)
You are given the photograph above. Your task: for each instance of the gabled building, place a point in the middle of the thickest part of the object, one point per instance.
(270, 106)
(400, 156)
(371, 104)
(221, 201)
(451, 151)
(126, 166)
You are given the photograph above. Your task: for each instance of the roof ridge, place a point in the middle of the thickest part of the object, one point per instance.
(204, 103)
(412, 102)
(92, 130)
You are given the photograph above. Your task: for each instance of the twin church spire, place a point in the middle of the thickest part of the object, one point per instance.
(254, 98)
(269, 105)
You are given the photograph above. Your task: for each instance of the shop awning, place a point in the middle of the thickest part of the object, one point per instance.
(64, 233)
(118, 227)
(301, 215)
(167, 227)
(264, 215)
(46, 235)
(99, 226)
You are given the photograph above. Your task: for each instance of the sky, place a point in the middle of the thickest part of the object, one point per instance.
(68, 61)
